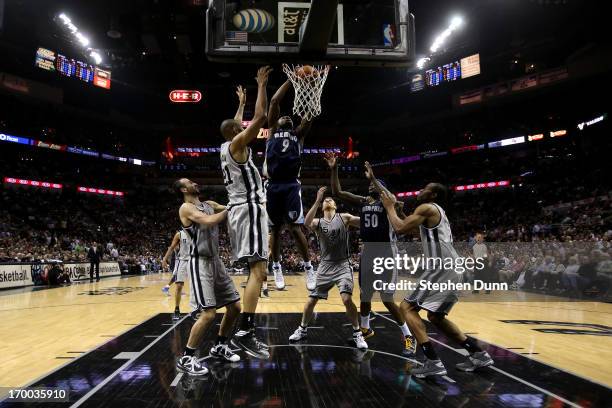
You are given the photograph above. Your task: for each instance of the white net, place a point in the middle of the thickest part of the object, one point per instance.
(308, 86)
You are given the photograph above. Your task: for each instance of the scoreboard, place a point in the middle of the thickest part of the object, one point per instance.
(69, 67)
(465, 68)
(445, 73)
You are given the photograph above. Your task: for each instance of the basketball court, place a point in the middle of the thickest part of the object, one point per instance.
(128, 356)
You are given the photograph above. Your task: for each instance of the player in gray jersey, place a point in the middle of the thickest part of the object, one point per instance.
(247, 219)
(211, 285)
(334, 268)
(437, 240)
(179, 248)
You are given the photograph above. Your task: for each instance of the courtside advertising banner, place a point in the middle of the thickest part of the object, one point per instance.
(80, 271)
(14, 276)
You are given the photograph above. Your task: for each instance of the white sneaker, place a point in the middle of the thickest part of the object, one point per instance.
(311, 278)
(360, 342)
(299, 334)
(191, 365)
(223, 351)
(279, 279)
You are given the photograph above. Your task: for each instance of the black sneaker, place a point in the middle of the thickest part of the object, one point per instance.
(191, 366)
(248, 342)
(176, 315)
(367, 333)
(265, 293)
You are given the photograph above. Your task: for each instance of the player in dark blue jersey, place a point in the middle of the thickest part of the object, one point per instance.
(283, 189)
(378, 240)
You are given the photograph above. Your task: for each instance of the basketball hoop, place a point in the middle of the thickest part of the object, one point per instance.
(308, 83)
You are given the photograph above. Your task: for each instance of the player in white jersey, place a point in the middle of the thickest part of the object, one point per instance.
(437, 240)
(180, 248)
(213, 288)
(247, 218)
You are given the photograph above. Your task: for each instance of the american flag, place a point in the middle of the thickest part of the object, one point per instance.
(236, 36)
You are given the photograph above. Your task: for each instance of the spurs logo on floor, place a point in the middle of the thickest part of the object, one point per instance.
(568, 327)
(114, 290)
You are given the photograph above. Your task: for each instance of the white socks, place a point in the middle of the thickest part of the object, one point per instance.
(365, 321)
(405, 330)
(276, 265)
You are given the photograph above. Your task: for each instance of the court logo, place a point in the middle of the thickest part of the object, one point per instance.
(566, 327)
(114, 290)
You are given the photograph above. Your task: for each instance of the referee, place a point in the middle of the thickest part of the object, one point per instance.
(480, 250)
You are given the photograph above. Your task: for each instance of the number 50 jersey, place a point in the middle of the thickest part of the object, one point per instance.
(283, 157)
(374, 224)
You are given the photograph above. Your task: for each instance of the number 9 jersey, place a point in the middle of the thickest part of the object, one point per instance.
(283, 157)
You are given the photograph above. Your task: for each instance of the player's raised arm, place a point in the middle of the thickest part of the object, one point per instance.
(175, 241)
(244, 138)
(274, 110)
(190, 212)
(303, 129)
(310, 221)
(332, 162)
(241, 93)
(402, 226)
(369, 173)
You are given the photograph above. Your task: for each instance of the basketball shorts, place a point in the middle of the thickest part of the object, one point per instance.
(247, 225)
(433, 300)
(329, 274)
(284, 203)
(181, 271)
(212, 287)
(368, 279)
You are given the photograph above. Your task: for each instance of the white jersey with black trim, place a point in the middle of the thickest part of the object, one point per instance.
(242, 180)
(184, 246)
(438, 240)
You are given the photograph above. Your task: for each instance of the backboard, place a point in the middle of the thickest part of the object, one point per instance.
(336, 32)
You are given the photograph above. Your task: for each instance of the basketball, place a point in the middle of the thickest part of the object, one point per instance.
(306, 71)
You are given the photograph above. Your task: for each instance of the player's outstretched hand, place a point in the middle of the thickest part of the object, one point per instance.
(388, 200)
(369, 173)
(321, 194)
(331, 159)
(241, 93)
(262, 75)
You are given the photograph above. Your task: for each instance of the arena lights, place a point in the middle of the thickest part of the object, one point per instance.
(100, 191)
(470, 148)
(79, 37)
(507, 142)
(558, 133)
(490, 184)
(408, 194)
(533, 138)
(455, 23)
(467, 187)
(33, 183)
(14, 139)
(422, 61)
(591, 122)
